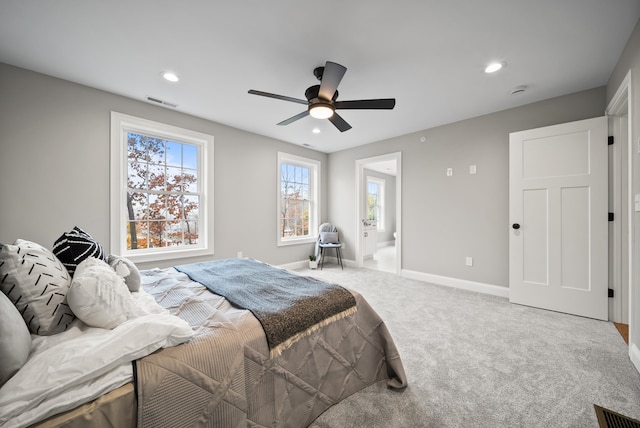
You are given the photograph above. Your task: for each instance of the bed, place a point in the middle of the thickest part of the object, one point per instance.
(231, 367)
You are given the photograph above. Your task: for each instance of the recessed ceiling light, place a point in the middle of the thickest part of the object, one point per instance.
(316, 131)
(171, 77)
(493, 67)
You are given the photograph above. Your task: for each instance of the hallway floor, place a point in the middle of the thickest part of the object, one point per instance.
(384, 259)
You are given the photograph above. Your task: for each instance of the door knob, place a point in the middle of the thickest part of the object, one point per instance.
(516, 226)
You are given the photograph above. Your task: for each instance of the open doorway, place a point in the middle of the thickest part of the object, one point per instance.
(378, 213)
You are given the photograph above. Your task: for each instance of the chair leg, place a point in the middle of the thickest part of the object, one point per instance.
(339, 253)
(321, 257)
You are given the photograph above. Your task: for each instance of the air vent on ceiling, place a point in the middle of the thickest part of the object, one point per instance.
(164, 103)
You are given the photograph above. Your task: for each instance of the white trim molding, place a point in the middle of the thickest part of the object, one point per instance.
(622, 104)
(479, 287)
(619, 115)
(304, 264)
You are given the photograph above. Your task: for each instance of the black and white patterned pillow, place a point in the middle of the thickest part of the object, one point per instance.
(75, 246)
(37, 284)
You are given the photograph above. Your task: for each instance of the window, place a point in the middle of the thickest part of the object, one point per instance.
(160, 204)
(375, 201)
(298, 190)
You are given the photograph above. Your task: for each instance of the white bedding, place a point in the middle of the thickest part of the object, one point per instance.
(83, 363)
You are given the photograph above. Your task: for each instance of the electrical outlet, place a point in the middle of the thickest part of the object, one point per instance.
(468, 261)
(449, 172)
(239, 254)
(472, 169)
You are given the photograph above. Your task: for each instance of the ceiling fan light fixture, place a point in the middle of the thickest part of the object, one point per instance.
(321, 111)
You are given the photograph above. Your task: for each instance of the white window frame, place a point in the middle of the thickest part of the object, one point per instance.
(314, 201)
(121, 124)
(381, 200)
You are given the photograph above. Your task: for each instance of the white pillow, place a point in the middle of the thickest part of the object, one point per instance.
(15, 340)
(37, 283)
(329, 238)
(99, 297)
(127, 270)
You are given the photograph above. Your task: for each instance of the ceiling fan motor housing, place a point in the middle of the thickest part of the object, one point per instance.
(312, 92)
(323, 108)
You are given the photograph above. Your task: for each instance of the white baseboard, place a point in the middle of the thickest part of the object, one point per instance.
(327, 260)
(634, 355)
(386, 244)
(480, 287)
(295, 265)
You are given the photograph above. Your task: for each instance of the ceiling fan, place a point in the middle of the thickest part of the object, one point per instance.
(322, 100)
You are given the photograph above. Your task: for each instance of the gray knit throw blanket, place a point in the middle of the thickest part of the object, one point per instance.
(288, 306)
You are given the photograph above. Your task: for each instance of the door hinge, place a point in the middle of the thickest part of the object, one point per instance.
(610, 140)
(611, 216)
(610, 292)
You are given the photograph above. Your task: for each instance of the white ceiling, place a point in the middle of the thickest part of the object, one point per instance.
(428, 54)
(389, 167)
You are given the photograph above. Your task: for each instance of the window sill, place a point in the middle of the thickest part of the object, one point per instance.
(296, 241)
(160, 255)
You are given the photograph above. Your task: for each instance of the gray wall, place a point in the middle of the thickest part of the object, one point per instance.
(54, 174)
(54, 168)
(445, 219)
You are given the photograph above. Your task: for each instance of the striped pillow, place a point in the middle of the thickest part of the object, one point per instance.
(75, 246)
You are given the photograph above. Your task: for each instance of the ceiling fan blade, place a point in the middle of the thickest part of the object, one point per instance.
(339, 122)
(278, 97)
(294, 118)
(331, 77)
(382, 104)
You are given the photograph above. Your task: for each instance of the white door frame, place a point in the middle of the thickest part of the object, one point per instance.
(360, 188)
(621, 104)
(617, 109)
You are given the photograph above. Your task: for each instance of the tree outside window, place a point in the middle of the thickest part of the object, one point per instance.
(375, 201)
(161, 206)
(298, 180)
(294, 200)
(162, 192)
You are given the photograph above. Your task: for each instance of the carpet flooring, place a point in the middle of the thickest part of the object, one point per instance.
(475, 360)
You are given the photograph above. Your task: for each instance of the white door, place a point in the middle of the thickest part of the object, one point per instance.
(558, 213)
